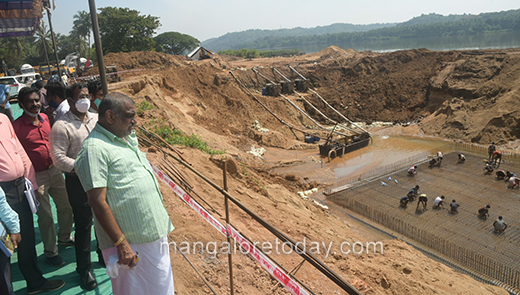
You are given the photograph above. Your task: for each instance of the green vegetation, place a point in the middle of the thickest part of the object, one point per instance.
(432, 25)
(121, 29)
(233, 40)
(124, 29)
(178, 137)
(252, 53)
(143, 106)
(175, 43)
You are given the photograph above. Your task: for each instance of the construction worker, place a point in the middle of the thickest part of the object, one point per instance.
(423, 199)
(513, 182)
(500, 174)
(499, 225)
(403, 202)
(413, 193)
(483, 212)
(497, 158)
(489, 169)
(440, 157)
(438, 202)
(412, 171)
(454, 207)
(491, 149)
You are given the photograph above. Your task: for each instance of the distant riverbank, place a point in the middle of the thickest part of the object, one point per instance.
(495, 40)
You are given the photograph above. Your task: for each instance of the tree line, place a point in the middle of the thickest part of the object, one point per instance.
(121, 30)
(431, 25)
(231, 40)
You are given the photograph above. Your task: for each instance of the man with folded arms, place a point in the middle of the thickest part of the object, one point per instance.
(15, 166)
(33, 129)
(124, 195)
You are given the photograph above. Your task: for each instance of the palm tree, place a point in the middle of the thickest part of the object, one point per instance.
(42, 42)
(19, 45)
(82, 25)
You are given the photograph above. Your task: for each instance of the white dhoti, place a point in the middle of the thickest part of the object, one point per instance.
(151, 275)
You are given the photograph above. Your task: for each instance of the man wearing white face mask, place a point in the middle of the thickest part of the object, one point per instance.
(66, 138)
(33, 129)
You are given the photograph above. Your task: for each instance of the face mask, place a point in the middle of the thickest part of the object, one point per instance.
(53, 104)
(82, 105)
(31, 114)
(97, 102)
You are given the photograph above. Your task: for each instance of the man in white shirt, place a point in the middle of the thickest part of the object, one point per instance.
(499, 225)
(438, 202)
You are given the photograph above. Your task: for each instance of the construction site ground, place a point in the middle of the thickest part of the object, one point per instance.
(468, 96)
(471, 187)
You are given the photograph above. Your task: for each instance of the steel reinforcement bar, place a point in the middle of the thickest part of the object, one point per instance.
(471, 259)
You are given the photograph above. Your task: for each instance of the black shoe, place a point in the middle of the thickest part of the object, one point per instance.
(49, 286)
(88, 281)
(70, 242)
(56, 261)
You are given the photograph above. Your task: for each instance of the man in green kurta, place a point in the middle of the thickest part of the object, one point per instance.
(130, 216)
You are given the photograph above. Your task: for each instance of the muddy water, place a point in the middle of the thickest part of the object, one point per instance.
(383, 150)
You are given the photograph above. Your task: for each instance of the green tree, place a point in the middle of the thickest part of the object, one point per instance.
(66, 44)
(15, 49)
(176, 43)
(123, 29)
(43, 42)
(81, 30)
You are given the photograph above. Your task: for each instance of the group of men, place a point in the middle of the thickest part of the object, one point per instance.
(499, 224)
(86, 157)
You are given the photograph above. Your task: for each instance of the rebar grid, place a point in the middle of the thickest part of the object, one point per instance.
(464, 237)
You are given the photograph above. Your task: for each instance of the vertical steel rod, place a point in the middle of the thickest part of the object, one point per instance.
(226, 204)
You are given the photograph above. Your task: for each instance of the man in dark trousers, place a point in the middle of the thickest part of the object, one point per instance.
(33, 129)
(66, 138)
(14, 168)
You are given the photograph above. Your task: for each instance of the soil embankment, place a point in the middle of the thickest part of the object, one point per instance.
(464, 95)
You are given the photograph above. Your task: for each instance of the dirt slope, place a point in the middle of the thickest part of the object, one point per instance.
(202, 98)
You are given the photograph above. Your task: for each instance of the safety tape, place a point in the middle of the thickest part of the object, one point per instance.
(265, 262)
(188, 200)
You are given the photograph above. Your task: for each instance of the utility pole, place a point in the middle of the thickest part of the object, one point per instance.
(48, 8)
(99, 48)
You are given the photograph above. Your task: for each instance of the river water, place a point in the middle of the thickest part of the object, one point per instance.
(495, 40)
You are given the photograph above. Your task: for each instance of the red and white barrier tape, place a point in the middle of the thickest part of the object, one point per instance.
(265, 262)
(188, 200)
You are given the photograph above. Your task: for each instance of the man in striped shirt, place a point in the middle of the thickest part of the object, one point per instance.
(123, 192)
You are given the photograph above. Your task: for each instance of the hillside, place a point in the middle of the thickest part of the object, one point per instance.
(421, 30)
(233, 40)
(461, 95)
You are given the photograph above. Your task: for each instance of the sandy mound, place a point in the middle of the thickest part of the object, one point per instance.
(139, 60)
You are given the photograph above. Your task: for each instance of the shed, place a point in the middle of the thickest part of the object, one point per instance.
(200, 53)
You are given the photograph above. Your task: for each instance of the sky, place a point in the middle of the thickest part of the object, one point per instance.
(205, 19)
